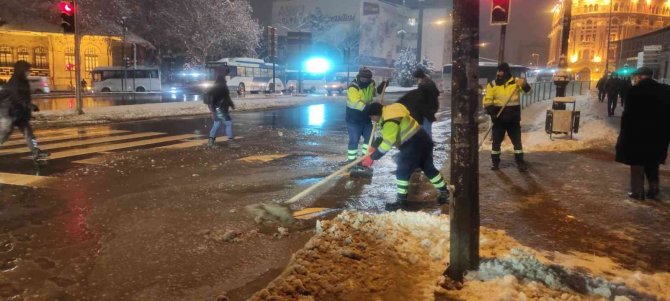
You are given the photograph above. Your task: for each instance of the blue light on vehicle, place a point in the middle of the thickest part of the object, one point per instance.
(317, 115)
(317, 65)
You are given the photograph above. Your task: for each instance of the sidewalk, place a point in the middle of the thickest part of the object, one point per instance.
(103, 115)
(564, 230)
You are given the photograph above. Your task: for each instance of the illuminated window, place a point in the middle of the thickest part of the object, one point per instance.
(6, 59)
(91, 59)
(69, 58)
(41, 61)
(22, 54)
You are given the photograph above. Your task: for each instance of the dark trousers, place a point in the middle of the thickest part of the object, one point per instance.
(638, 173)
(601, 95)
(513, 129)
(357, 130)
(7, 127)
(417, 153)
(611, 104)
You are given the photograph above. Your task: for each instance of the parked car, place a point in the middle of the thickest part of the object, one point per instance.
(39, 84)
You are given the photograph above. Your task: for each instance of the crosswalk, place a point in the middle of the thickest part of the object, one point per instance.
(84, 146)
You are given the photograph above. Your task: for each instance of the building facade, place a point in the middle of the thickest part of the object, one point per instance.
(651, 50)
(587, 51)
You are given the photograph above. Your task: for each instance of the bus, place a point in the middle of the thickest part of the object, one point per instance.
(246, 74)
(113, 79)
(487, 73)
(311, 82)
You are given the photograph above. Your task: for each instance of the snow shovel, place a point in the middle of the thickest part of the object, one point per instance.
(360, 171)
(282, 213)
(486, 135)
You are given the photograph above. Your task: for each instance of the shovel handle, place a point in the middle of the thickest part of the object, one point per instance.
(309, 190)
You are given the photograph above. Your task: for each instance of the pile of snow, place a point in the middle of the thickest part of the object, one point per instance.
(595, 129)
(402, 255)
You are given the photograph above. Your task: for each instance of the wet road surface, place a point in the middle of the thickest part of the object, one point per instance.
(160, 217)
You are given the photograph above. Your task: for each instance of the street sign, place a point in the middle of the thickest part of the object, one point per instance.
(500, 12)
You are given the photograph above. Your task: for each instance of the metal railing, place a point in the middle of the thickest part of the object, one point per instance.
(547, 90)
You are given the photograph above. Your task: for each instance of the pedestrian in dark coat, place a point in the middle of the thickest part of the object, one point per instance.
(18, 100)
(430, 104)
(612, 88)
(626, 84)
(601, 87)
(643, 139)
(220, 105)
(415, 101)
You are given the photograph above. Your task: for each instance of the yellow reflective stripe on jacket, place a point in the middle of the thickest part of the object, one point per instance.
(498, 95)
(358, 98)
(398, 126)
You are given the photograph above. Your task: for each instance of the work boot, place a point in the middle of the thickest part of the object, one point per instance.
(443, 196)
(520, 162)
(400, 203)
(40, 155)
(495, 162)
(211, 142)
(654, 190)
(636, 196)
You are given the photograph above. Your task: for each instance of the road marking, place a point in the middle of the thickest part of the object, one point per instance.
(194, 143)
(27, 180)
(57, 132)
(112, 147)
(12, 151)
(87, 134)
(263, 158)
(92, 161)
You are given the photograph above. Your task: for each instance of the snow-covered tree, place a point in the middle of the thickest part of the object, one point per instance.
(426, 65)
(404, 67)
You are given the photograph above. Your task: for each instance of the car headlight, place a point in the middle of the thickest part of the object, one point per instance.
(206, 85)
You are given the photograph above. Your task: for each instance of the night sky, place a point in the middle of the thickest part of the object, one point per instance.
(527, 33)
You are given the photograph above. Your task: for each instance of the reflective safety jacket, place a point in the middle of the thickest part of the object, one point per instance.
(497, 95)
(397, 126)
(359, 98)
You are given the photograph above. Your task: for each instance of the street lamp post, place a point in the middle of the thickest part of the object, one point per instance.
(77, 60)
(419, 39)
(123, 54)
(609, 39)
(537, 59)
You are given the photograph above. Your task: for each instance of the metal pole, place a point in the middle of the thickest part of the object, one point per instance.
(419, 39)
(609, 34)
(348, 56)
(123, 55)
(501, 49)
(77, 61)
(464, 208)
(565, 39)
(134, 66)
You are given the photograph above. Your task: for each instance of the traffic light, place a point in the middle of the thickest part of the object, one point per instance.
(500, 12)
(67, 16)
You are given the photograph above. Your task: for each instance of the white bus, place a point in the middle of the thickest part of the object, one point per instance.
(487, 73)
(311, 83)
(247, 74)
(141, 79)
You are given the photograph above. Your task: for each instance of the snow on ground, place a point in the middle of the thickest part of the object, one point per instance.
(594, 129)
(156, 110)
(402, 255)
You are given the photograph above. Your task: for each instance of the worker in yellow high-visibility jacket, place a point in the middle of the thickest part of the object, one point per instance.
(399, 129)
(360, 94)
(504, 93)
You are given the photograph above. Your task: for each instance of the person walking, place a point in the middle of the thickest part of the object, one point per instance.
(643, 140)
(504, 93)
(613, 89)
(601, 87)
(430, 104)
(220, 105)
(360, 95)
(18, 107)
(625, 85)
(399, 129)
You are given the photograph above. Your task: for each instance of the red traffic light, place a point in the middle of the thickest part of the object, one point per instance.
(69, 67)
(66, 7)
(500, 12)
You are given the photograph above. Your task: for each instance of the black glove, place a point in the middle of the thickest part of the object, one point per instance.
(377, 142)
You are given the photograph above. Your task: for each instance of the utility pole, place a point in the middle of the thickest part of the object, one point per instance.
(419, 39)
(464, 207)
(123, 55)
(501, 50)
(562, 77)
(77, 60)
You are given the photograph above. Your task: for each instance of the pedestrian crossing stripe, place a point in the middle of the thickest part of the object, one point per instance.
(59, 132)
(119, 146)
(263, 158)
(100, 160)
(87, 134)
(27, 180)
(193, 143)
(12, 151)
